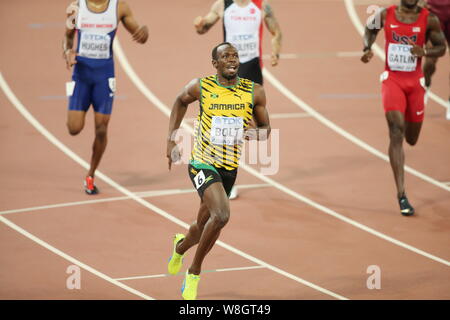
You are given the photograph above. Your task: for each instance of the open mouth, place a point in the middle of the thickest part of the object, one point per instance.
(232, 68)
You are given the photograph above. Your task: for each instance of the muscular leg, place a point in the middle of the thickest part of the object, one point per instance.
(218, 212)
(99, 146)
(195, 230)
(396, 124)
(75, 121)
(412, 132)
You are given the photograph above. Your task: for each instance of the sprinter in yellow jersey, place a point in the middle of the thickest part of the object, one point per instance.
(227, 104)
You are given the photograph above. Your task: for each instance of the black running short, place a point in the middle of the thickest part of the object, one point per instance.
(251, 70)
(203, 175)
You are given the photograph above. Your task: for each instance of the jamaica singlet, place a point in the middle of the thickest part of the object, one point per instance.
(224, 114)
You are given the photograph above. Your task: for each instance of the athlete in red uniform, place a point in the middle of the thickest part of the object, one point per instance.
(407, 28)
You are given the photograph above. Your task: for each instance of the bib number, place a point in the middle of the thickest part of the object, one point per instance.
(400, 58)
(227, 130)
(95, 46)
(199, 179)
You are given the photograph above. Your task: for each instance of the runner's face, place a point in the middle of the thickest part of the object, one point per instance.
(410, 4)
(227, 63)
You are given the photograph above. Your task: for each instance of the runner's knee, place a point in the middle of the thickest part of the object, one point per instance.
(101, 131)
(74, 129)
(220, 218)
(411, 140)
(396, 132)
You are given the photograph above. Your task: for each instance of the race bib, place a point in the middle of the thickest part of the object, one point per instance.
(95, 46)
(227, 130)
(70, 87)
(199, 179)
(400, 58)
(247, 46)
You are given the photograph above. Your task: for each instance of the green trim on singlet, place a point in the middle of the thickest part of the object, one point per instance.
(200, 165)
(233, 86)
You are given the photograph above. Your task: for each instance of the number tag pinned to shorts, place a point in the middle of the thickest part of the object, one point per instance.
(70, 87)
(112, 84)
(199, 179)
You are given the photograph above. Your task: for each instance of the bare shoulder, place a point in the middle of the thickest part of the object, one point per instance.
(433, 21)
(123, 9)
(193, 88)
(267, 9)
(218, 7)
(259, 94)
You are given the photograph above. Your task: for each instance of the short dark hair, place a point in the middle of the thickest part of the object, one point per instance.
(214, 51)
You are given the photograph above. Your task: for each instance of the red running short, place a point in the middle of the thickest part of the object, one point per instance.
(405, 93)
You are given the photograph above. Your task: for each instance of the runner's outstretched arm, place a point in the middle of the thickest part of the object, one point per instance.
(260, 115)
(139, 33)
(274, 28)
(203, 24)
(189, 94)
(435, 36)
(370, 34)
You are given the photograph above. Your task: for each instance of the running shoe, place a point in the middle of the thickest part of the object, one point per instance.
(89, 186)
(405, 207)
(176, 260)
(190, 285)
(233, 193)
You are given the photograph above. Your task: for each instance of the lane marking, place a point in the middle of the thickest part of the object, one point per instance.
(28, 116)
(291, 56)
(164, 275)
(143, 194)
(72, 259)
(126, 66)
(350, 96)
(307, 108)
(350, 7)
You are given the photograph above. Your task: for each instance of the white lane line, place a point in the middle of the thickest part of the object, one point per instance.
(339, 54)
(73, 260)
(290, 115)
(164, 275)
(307, 108)
(120, 55)
(27, 115)
(143, 194)
(350, 7)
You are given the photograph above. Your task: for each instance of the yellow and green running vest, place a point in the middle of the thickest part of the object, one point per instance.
(224, 114)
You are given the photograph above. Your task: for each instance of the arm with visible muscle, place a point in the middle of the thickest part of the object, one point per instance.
(139, 33)
(190, 93)
(435, 36)
(203, 24)
(370, 34)
(274, 28)
(260, 116)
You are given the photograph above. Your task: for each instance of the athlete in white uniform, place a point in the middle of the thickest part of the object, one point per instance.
(93, 81)
(243, 27)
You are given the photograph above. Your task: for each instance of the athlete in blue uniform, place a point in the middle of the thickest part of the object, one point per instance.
(93, 82)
